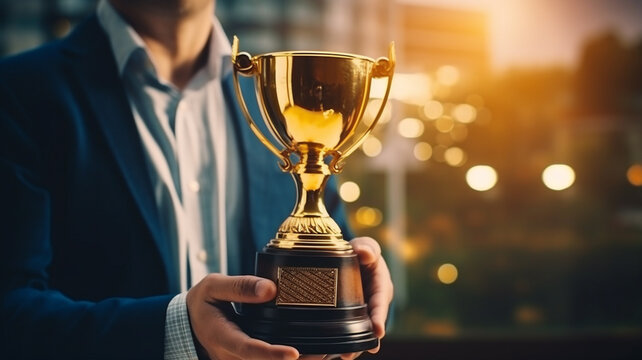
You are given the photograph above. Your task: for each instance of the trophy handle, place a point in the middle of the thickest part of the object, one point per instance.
(384, 67)
(242, 63)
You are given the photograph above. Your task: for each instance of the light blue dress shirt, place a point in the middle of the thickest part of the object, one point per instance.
(191, 160)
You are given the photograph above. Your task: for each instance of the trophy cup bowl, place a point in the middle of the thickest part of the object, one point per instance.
(312, 102)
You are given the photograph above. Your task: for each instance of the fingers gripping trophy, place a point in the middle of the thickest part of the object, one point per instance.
(312, 103)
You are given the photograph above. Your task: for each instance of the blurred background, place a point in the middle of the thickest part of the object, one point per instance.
(504, 180)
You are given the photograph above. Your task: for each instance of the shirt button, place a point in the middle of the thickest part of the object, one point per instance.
(202, 255)
(194, 186)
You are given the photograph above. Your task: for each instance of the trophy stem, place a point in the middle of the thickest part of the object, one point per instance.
(309, 226)
(310, 189)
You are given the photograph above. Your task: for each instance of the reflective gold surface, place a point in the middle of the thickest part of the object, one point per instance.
(312, 103)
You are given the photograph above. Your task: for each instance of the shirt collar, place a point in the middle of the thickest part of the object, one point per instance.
(220, 56)
(125, 42)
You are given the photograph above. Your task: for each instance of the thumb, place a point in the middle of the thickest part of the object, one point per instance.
(247, 289)
(367, 249)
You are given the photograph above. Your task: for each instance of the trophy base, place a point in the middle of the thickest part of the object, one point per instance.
(319, 307)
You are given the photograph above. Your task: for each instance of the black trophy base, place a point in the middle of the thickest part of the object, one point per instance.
(319, 307)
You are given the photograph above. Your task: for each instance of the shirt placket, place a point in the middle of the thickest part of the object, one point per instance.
(191, 160)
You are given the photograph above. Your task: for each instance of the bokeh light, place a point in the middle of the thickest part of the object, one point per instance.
(558, 177)
(447, 273)
(349, 191)
(527, 314)
(447, 75)
(409, 251)
(464, 113)
(411, 127)
(373, 108)
(634, 174)
(371, 146)
(444, 124)
(481, 177)
(422, 151)
(410, 88)
(433, 109)
(455, 156)
(368, 216)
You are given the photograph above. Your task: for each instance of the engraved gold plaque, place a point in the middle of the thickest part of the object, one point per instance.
(312, 103)
(307, 286)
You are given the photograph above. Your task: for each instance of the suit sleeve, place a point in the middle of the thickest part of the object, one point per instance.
(36, 320)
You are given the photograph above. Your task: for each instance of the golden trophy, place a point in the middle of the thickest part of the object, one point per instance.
(312, 102)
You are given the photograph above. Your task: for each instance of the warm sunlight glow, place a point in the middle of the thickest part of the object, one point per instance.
(447, 75)
(414, 88)
(481, 177)
(349, 191)
(558, 177)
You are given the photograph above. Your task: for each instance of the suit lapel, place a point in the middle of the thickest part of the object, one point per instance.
(98, 75)
(269, 192)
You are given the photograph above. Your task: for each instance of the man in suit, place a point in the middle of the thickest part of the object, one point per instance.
(123, 159)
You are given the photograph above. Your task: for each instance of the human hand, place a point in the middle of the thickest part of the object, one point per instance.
(217, 335)
(378, 291)
(377, 286)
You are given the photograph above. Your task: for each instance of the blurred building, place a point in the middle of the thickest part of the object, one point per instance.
(429, 37)
(28, 23)
(357, 26)
(426, 36)
(273, 25)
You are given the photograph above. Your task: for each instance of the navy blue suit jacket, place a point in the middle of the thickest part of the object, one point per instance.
(83, 260)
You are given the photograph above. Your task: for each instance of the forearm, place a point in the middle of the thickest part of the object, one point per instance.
(46, 324)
